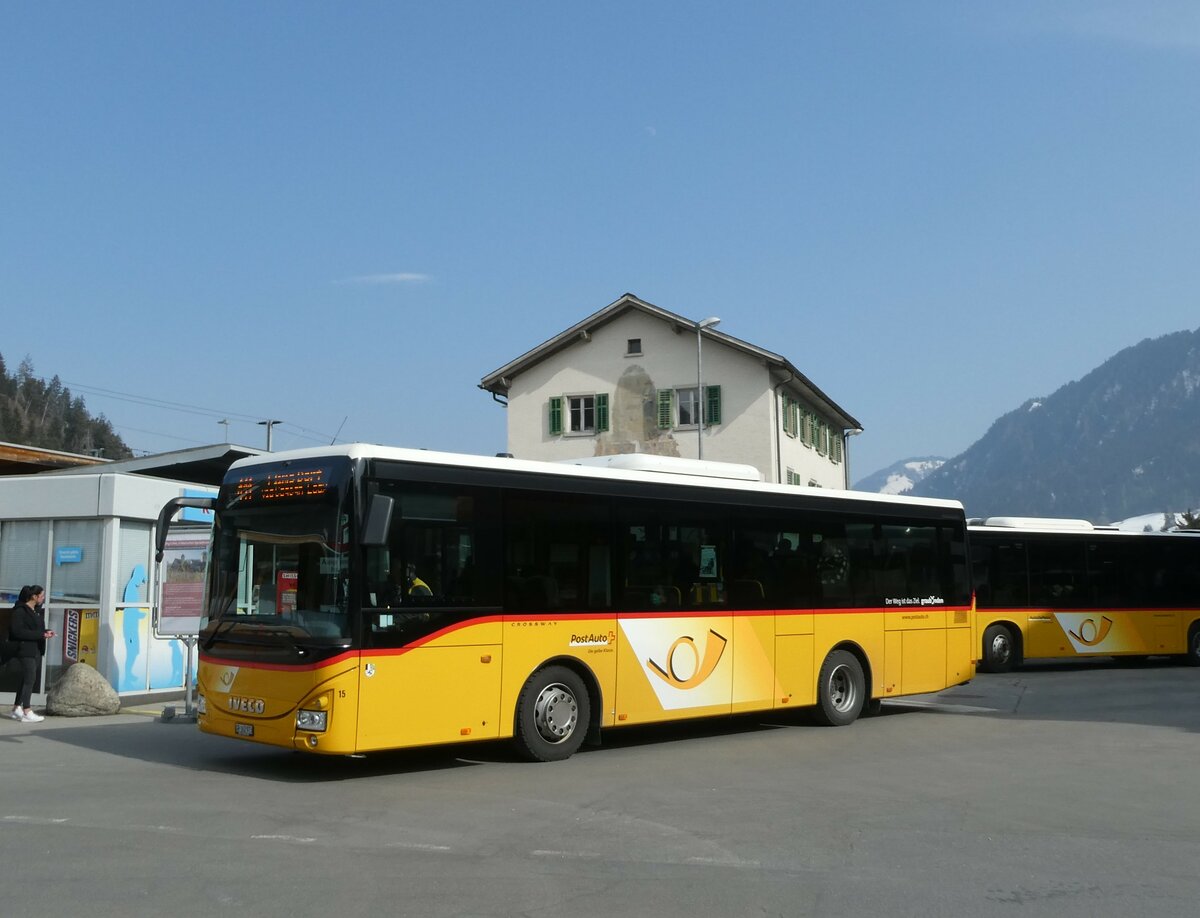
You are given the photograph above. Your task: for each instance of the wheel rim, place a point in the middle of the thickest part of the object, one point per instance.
(555, 713)
(1001, 648)
(843, 690)
(1196, 645)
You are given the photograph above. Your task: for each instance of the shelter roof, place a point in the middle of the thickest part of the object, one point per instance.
(16, 459)
(198, 464)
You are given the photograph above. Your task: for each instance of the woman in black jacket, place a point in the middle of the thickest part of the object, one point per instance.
(27, 631)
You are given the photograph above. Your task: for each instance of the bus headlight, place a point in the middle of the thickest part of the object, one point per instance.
(312, 721)
(201, 705)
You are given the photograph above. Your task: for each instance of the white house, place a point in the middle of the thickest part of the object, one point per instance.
(629, 378)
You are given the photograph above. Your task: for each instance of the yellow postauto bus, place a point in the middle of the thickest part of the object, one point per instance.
(1047, 588)
(365, 598)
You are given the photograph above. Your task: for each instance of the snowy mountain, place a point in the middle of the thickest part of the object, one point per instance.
(1120, 443)
(900, 477)
(1151, 522)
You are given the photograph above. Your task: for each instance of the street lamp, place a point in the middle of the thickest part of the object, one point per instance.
(268, 425)
(847, 434)
(710, 322)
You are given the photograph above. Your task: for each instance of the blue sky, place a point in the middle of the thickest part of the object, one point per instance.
(344, 215)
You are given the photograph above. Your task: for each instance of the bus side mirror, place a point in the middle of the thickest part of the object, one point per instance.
(379, 520)
(169, 510)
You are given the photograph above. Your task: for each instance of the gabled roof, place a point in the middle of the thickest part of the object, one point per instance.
(499, 381)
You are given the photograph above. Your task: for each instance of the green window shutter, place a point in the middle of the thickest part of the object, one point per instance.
(712, 406)
(601, 411)
(666, 408)
(556, 415)
(836, 443)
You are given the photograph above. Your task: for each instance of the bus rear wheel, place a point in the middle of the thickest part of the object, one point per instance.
(1193, 647)
(553, 715)
(999, 649)
(841, 690)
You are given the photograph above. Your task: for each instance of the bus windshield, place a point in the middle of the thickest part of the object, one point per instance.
(281, 545)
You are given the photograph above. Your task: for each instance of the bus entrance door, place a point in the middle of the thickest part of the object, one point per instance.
(447, 690)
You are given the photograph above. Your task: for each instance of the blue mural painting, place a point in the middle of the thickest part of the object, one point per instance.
(145, 663)
(132, 631)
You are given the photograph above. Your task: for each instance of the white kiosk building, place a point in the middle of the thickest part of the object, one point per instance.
(87, 535)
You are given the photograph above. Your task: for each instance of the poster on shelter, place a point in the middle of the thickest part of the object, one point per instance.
(185, 557)
(81, 636)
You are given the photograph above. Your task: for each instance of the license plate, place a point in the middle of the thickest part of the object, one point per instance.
(243, 729)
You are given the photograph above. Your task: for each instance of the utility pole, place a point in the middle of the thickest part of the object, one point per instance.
(269, 425)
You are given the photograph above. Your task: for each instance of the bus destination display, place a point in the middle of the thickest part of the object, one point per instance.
(299, 484)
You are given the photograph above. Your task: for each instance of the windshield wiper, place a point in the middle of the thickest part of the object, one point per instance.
(212, 638)
(260, 634)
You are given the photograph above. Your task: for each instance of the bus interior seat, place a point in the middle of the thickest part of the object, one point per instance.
(745, 592)
(642, 597)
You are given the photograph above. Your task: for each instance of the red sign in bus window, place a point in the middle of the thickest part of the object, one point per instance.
(285, 589)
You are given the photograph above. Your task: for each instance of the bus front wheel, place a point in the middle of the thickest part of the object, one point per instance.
(841, 690)
(999, 649)
(553, 715)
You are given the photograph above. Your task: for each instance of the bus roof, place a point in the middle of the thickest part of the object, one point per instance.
(1029, 525)
(594, 470)
(669, 465)
(1034, 522)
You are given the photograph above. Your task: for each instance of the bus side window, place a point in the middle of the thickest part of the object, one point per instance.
(431, 554)
(556, 552)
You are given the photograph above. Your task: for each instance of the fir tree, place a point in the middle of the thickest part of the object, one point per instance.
(46, 415)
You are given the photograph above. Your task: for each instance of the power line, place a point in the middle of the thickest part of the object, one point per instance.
(156, 402)
(314, 435)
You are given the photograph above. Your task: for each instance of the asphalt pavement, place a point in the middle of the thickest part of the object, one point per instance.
(1063, 790)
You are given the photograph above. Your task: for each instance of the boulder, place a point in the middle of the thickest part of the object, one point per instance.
(82, 692)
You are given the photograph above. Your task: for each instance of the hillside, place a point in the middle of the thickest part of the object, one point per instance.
(34, 412)
(1122, 441)
(901, 477)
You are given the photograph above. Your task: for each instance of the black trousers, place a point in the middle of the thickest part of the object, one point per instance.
(29, 673)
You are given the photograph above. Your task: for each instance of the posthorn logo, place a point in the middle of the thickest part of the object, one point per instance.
(688, 673)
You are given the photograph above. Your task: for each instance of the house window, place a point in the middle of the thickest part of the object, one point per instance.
(582, 413)
(578, 414)
(681, 407)
(689, 407)
(790, 408)
(633, 347)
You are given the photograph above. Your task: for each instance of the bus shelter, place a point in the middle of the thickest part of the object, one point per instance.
(89, 539)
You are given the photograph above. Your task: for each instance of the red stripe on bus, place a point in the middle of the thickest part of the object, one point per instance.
(572, 616)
